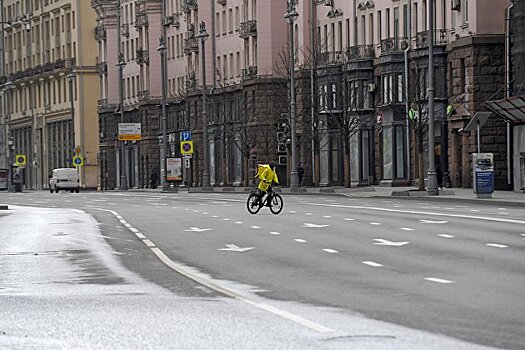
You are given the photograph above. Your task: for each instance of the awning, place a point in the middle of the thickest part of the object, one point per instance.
(511, 109)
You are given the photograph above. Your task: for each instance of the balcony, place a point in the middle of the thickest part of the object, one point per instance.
(330, 57)
(248, 28)
(392, 45)
(100, 33)
(249, 73)
(102, 68)
(142, 56)
(191, 45)
(102, 103)
(173, 20)
(440, 38)
(188, 5)
(191, 82)
(360, 52)
(143, 95)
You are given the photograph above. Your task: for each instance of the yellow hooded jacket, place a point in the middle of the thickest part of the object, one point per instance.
(266, 176)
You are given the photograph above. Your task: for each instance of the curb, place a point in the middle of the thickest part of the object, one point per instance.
(495, 202)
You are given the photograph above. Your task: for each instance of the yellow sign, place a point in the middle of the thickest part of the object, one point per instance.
(129, 137)
(186, 147)
(20, 160)
(78, 161)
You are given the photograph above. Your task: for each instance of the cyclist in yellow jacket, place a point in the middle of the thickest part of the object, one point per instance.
(267, 176)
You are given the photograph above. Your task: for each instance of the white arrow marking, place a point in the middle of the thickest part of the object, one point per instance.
(196, 229)
(497, 245)
(371, 263)
(380, 241)
(306, 224)
(438, 280)
(432, 222)
(234, 248)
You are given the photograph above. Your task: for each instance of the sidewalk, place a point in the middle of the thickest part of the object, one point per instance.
(465, 195)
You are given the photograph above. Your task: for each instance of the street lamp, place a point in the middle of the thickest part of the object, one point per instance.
(291, 15)
(203, 35)
(71, 78)
(10, 142)
(432, 186)
(120, 64)
(162, 49)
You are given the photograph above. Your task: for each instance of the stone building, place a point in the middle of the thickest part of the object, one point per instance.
(49, 85)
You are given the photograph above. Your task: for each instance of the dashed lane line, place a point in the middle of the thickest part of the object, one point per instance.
(372, 263)
(407, 229)
(445, 235)
(215, 285)
(496, 245)
(331, 251)
(439, 280)
(299, 240)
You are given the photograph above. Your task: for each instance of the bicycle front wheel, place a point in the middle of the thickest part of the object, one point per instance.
(252, 204)
(277, 204)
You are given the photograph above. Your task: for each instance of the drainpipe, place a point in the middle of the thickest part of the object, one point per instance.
(508, 92)
(407, 102)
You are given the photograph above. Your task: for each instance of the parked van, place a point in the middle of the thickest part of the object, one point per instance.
(64, 179)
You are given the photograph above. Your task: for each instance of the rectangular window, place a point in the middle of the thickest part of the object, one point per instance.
(405, 21)
(340, 36)
(388, 23)
(230, 21)
(396, 22)
(347, 32)
(400, 88)
(370, 29)
(425, 15)
(415, 16)
(363, 30)
(334, 96)
(379, 26)
(400, 164)
(465, 18)
(462, 75)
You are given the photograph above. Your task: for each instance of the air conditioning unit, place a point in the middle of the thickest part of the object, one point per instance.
(371, 87)
(455, 5)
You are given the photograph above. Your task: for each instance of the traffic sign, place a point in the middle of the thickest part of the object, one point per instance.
(129, 131)
(186, 147)
(78, 161)
(186, 163)
(185, 136)
(20, 160)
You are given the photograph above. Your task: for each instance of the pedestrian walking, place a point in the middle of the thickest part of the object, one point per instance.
(153, 178)
(439, 175)
(300, 173)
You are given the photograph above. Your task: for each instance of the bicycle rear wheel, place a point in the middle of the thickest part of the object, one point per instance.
(277, 204)
(252, 204)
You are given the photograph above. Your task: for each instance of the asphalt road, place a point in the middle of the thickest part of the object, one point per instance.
(451, 269)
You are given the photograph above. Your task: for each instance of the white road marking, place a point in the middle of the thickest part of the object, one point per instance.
(446, 236)
(238, 222)
(371, 263)
(497, 245)
(226, 219)
(308, 214)
(292, 211)
(234, 248)
(196, 229)
(407, 229)
(327, 216)
(474, 210)
(474, 217)
(256, 227)
(380, 241)
(215, 216)
(432, 222)
(438, 280)
(299, 240)
(275, 233)
(375, 223)
(331, 251)
(175, 207)
(349, 219)
(502, 208)
(205, 213)
(523, 234)
(309, 225)
(148, 242)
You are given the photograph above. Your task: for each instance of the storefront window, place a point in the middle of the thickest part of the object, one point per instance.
(400, 152)
(387, 153)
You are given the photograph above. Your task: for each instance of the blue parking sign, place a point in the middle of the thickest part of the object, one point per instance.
(185, 135)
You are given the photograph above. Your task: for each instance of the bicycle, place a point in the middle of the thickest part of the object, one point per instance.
(275, 201)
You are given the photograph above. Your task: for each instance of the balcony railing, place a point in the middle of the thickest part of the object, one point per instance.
(188, 5)
(173, 20)
(143, 95)
(248, 28)
(142, 56)
(440, 38)
(102, 68)
(191, 45)
(249, 73)
(393, 45)
(360, 52)
(102, 103)
(329, 57)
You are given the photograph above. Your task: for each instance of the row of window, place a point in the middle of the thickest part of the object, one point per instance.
(45, 93)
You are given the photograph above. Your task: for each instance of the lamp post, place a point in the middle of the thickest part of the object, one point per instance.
(291, 16)
(203, 35)
(121, 63)
(71, 78)
(432, 186)
(10, 142)
(162, 49)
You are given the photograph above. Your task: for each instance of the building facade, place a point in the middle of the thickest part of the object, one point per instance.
(49, 84)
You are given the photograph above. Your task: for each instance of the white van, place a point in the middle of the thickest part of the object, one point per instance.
(64, 179)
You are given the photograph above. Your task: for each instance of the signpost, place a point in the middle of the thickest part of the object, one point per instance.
(129, 132)
(483, 172)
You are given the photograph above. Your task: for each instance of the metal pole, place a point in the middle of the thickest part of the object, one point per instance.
(432, 186)
(313, 88)
(205, 173)
(121, 63)
(71, 77)
(407, 91)
(294, 179)
(478, 136)
(164, 71)
(10, 141)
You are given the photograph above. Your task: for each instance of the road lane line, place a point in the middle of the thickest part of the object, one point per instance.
(331, 251)
(349, 219)
(148, 242)
(375, 223)
(238, 222)
(445, 235)
(407, 229)
(371, 263)
(474, 217)
(439, 280)
(299, 240)
(496, 245)
(275, 233)
(256, 227)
